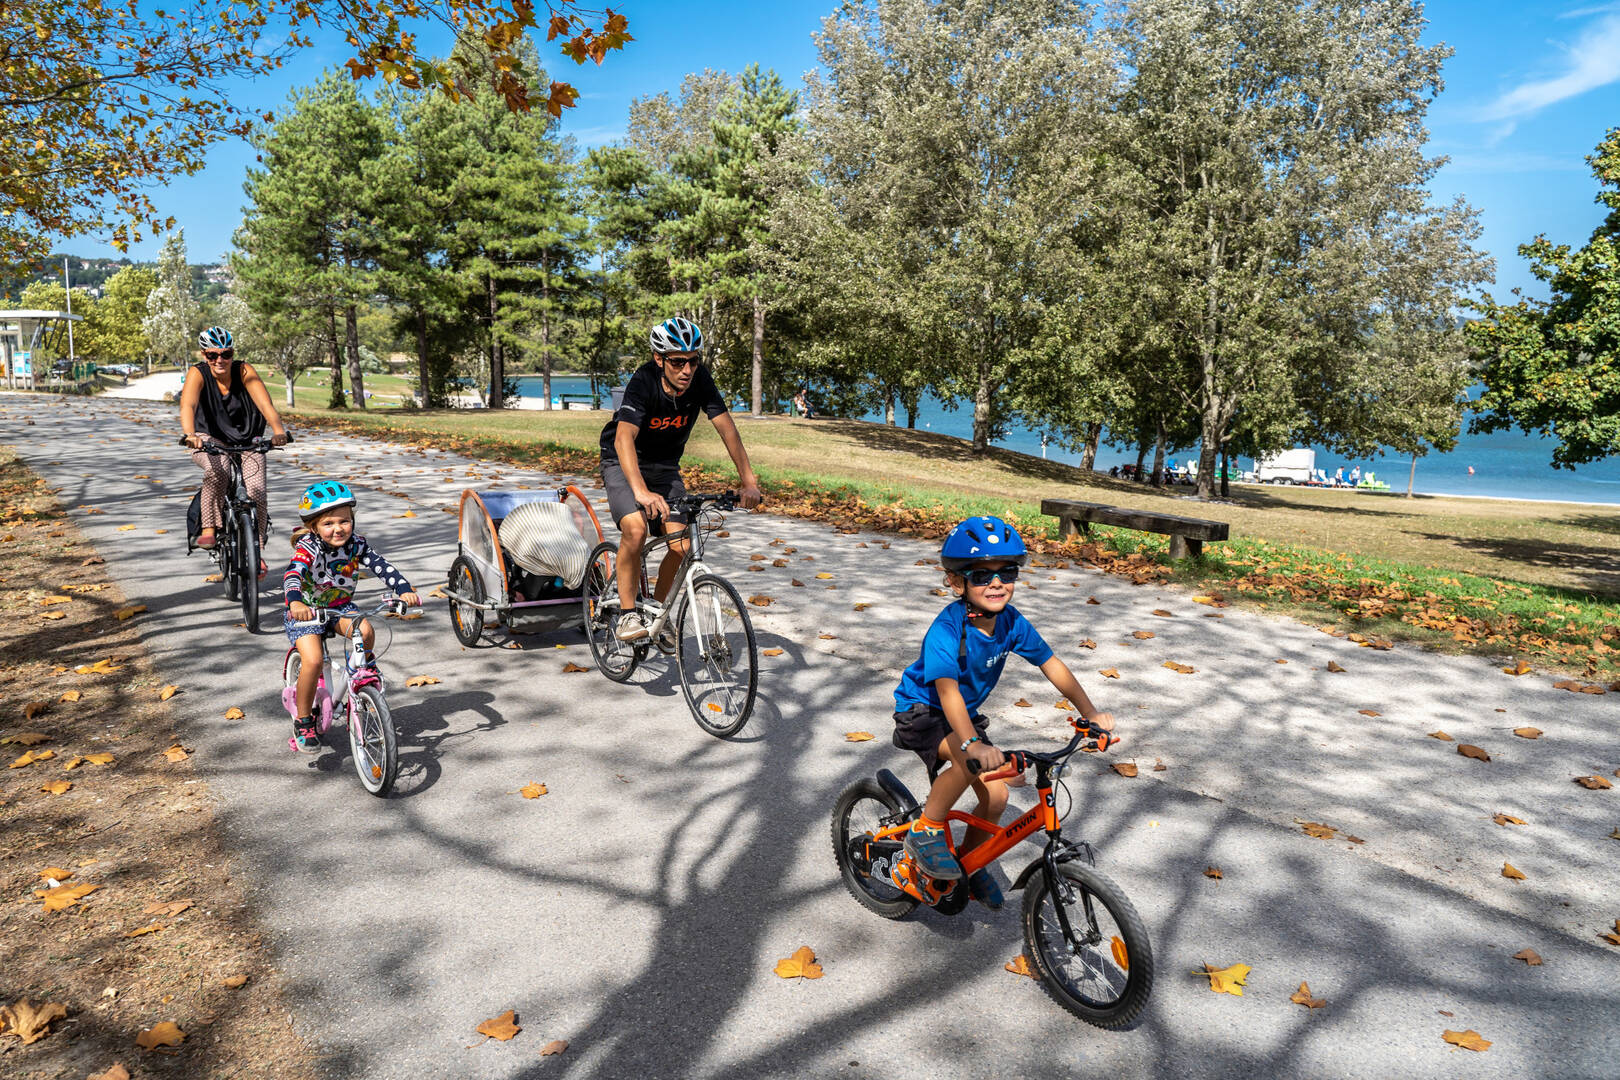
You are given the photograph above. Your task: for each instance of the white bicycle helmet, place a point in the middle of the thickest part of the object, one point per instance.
(676, 335)
(215, 337)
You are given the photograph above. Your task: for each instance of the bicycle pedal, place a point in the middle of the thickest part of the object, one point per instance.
(907, 878)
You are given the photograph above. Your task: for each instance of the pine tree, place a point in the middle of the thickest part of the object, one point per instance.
(173, 315)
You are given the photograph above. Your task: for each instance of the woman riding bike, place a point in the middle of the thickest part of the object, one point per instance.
(225, 400)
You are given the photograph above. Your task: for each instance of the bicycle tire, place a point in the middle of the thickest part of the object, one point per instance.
(877, 897)
(372, 741)
(725, 646)
(467, 623)
(225, 543)
(247, 559)
(614, 658)
(1043, 938)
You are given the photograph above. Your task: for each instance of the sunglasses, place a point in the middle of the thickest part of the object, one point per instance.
(681, 361)
(983, 575)
(219, 354)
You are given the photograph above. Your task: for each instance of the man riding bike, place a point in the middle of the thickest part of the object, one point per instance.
(641, 456)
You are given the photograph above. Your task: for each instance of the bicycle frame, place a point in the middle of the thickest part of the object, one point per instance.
(690, 569)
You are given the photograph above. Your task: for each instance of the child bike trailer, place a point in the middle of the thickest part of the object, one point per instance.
(520, 561)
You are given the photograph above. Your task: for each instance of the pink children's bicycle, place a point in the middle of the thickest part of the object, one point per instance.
(356, 688)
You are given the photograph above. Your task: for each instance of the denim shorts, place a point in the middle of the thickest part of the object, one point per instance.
(296, 630)
(920, 729)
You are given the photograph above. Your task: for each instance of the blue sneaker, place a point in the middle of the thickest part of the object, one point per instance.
(983, 888)
(932, 852)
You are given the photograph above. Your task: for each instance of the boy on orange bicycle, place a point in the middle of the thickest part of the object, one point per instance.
(937, 702)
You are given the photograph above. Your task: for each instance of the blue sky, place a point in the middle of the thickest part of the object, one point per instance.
(1529, 92)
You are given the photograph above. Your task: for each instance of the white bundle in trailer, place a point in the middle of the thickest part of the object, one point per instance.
(543, 538)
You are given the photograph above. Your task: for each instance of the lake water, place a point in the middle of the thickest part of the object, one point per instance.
(1507, 464)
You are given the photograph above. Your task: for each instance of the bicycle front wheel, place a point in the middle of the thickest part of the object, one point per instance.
(247, 563)
(616, 659)
(225, 550)
(1105, 976)
(372, 741)
(717, 657)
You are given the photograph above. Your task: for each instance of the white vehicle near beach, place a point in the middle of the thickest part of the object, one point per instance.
(1285, 467)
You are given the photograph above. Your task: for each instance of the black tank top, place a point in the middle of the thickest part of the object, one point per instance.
(230, 418)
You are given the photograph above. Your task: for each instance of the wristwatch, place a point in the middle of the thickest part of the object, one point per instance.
(969, 743)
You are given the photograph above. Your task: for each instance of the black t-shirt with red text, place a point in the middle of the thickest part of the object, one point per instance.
(665, 422)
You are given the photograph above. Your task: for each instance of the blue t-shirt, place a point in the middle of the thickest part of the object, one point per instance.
(977, 675)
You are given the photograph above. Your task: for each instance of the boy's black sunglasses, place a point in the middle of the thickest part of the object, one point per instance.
(983, 575)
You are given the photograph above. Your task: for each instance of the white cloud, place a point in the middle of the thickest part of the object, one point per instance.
(1593, 61)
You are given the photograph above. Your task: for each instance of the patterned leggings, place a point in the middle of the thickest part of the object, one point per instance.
(217, 481)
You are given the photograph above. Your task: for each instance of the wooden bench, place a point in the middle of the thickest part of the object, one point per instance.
(1187, 535)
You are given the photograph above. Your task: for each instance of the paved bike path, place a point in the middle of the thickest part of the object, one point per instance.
(638, 908)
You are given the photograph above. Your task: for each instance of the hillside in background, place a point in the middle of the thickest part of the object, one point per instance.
(207, 279)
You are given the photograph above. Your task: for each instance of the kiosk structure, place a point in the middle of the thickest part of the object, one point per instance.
(22, 334)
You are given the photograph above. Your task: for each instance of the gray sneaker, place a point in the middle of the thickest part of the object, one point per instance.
(630, 627)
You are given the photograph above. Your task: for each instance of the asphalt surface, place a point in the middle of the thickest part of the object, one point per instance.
(638, 908)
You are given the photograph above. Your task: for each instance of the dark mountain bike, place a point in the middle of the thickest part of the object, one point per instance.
(236, 542)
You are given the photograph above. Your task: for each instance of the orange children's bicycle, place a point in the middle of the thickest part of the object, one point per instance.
(1088, 944)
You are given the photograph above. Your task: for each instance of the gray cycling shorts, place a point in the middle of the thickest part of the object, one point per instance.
(662, 480)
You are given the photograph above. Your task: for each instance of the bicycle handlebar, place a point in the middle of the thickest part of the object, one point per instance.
(691, 504)
(323, 615)
(1019, 760)
(257, 446)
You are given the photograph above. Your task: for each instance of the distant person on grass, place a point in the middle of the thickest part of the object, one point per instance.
(937, 702)
(641, 457)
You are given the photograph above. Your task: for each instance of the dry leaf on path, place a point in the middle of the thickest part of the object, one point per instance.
(1023, 703)
(1088, 644)
(129, 612)
(1141, 635)
(1213, 872)
(167, 1033)
(1442, 736)
(1591, 783)
(1020, 965)
(1468, 1040)
(1614, 938)
(1507, 819)
(1109, 673)
(762, 600)
(532, 791)
(1521, 668)
(824, 576)
(1529, 956)
(235, 981)
(1163, 613)
(801, 965)
(1527, 732)
(168, 692)
(1369, 712)
(34, 708)
(144, 930)
(1335, 668)
(233, 713)
(501, 1028)
(1124, 768)
(1302, 996)
(32, 756)
(1092, 600)
(1469, 750)
(169, 909)
(770, 652)
(52, 600)
(69, 695)
(115, 1071)
(177, 753)
(27, 738)
(57, 787)
(572, 668)
(554, 1047)
(1511, 871)
(64, 895)
(1185, 669)
(28, 1023)
(1226, 980)
(56, 873)
(422, 680)
(1318, 830)
(857, 736)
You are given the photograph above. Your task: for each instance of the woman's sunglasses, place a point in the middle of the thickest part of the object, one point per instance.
(982, 575)
(219, 354)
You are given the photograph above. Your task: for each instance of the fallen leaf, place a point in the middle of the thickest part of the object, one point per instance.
(502, 1028)
(572, 668)
(1141, 635)
(1088, 644)
(1109, 673)
(801, 965)
(762, 601)
(53, 615)
(69, 695)
(1507, 819)
(1063, 703)
(554, 1047)
(34, 708)
(824, 576)
(235, 981)
(1442, 736)
(168, 909)
(1021, 703)
(1020, 965)
(1302, 996)
(1521, 668)
(50, 600)
(1614, 938)
(1510, 871)
(64, 895)
(1527, 732)
(214, 579)
(1529, 956)
(168, 692)
(828, 637)
(1469, 750)
(1227, 980)
(1369, 712)
(125, 528)
(859, 607)
(422, 680)
(27, 738)
(1335, 668)
(532, 791)
(177, 753)
(1318, 830)
(144, 930)
(1185, 669)
(28, 1023)
(796, 583)
(167, 1033)
(1213, 872)
(1092, 600)
(57, 787)
(1124, 768)
(407, 514)
(1468, 1040)
(32, 756)
(1159, 765)
(1279, 660)
(115, 1071)
(1594, 782)
(1164, 613)
(857, 736)
(129, 612)
(55, 872)
(770, 652)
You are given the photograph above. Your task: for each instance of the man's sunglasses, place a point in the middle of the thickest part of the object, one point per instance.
(984, 575)
(219, 354)
(681, 361)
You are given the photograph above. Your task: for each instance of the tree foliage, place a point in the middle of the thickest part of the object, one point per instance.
(1553, 366)
(173, 315)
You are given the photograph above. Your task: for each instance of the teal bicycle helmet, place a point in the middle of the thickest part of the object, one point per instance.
(675, 335)
(215, 337)
(979, 538)
(323, 496)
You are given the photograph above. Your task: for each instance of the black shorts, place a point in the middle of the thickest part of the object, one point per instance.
(920, 729)
(662, 480)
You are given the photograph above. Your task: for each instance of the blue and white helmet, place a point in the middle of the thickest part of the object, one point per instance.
(676, 335)
(323, 496)
(215, 337)
(979, 538)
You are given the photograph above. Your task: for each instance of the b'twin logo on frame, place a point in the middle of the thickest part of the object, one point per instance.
(659, 423)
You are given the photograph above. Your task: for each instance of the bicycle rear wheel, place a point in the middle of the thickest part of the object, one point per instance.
(247, 560)
(1106, 980)
(373, 742)
(856, 817)
(717, 657)
(614, 658)
(225, 551)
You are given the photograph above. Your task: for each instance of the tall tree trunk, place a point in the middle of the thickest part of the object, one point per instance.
(1411, 478)
(1141, 456)
(545, 331)
(497, 358)
(335, 399)
(888, 408)
(422, 384)
(1088, 453)
(1226, 469)
(292, 378)
(759, 353)
(981, 410)
(1158, 452)
(351, 331)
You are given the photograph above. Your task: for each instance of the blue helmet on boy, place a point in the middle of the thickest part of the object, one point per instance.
(323, 496)
(979, 538)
